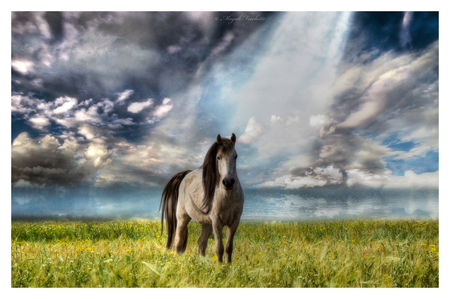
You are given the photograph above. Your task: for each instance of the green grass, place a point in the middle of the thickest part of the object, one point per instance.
(357, 253)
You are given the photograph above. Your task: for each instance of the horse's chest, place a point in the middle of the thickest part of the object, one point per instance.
(231, 214)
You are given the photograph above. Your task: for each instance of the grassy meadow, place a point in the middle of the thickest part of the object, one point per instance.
(350, 253)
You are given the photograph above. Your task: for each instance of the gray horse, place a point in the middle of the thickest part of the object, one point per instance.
(210, 195)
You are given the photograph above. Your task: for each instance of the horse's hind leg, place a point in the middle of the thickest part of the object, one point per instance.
(182, 233)
(203, 240)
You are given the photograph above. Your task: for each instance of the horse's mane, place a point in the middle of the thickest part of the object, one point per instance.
(210, 175)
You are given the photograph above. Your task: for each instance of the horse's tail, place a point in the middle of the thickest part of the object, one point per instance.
(169, 201)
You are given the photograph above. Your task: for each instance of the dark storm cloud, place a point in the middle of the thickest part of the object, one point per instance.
(146, 89)
(373, 33)
(87, 55)
(96, 54)
(47, 161)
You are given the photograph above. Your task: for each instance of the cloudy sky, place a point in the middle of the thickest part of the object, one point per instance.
(108, 105)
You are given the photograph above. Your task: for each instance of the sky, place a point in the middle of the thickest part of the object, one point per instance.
(107, 107)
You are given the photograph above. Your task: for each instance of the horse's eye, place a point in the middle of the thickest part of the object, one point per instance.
(218, 158)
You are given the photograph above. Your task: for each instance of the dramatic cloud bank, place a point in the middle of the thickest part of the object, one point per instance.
(316, 99)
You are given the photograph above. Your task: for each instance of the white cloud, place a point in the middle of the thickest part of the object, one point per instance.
(138, 107)
(204, 18)
(66, 112)
(86, 103)
(70, 38)
(280, 181)
(367, 112)
(405, 36)
(252, 131)
(122, 96)
(22, 104)
(429, 144)
(22, 66)
(299, 182)
(382, 83)
(224, 43)
(163, 109)
(39, 122)
(312, 177)
(98, 153)
(124, 121)
(323, 123)
(421, 133)
(90, 115)
(173, 49)
(42, 24)
(87, 131)
(65, 104)
(275, 119)
(107, 105)
(389, 181)
(297, 161)
(321, 120)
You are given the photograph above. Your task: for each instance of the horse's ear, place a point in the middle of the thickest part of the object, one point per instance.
(219, 139)
(233, 138)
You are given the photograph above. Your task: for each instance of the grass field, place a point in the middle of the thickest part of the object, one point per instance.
(356, 253)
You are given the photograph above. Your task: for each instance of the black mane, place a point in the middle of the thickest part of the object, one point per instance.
(210, 174)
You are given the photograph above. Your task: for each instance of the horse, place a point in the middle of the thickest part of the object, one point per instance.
(210, 195)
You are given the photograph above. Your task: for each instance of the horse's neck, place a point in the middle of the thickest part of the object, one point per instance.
(230, 196)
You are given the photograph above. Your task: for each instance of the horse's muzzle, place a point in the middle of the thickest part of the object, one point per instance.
(228, 183)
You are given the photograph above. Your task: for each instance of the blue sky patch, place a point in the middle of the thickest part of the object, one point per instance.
(426, 163)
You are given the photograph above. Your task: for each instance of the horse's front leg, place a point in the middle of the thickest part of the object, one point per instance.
(217, 228)
(203, 240)
(231, 230)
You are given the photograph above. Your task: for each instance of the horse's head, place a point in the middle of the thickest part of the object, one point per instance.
(226, 161)
(219, 167)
